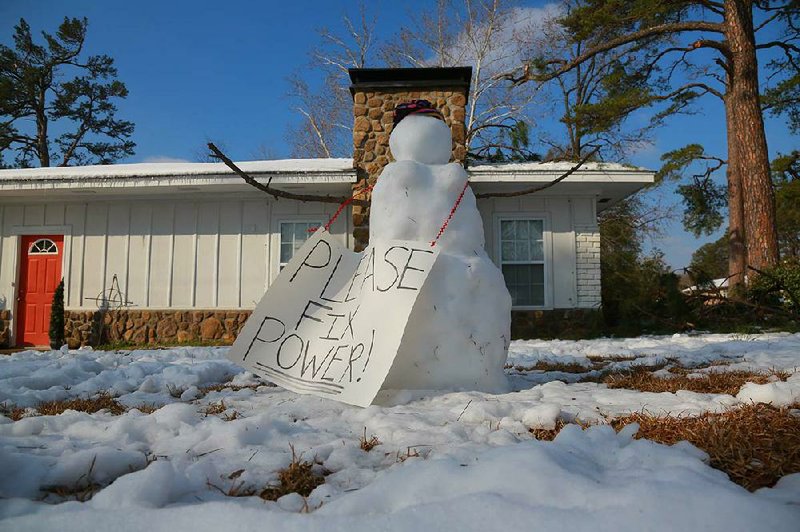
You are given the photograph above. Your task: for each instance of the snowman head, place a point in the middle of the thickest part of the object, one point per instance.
(422, 138)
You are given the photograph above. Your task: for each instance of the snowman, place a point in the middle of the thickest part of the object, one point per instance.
(458, 334)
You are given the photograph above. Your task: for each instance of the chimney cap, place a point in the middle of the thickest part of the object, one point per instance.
(364, 79)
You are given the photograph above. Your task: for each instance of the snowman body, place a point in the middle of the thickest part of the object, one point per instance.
(458, 333)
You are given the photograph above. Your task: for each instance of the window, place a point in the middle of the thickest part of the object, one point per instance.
(522, 260)
(43, 246)
(293, 236)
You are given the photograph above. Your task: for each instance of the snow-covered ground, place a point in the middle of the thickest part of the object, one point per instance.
(446, 461)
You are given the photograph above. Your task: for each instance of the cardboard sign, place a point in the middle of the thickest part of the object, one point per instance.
(333, 320)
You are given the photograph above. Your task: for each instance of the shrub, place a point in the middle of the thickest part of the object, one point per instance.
(778, 286)
(56, 331)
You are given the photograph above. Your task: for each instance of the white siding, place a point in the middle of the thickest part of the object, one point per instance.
(94, 253)
(183, 273)
(563, 215)
(139, 254)
(255, 252)
(222, 253)
(161, 255)
(207, 249)
(165, 253)
(75, 217)
(118, 244)
(230, 237)
(563, 253)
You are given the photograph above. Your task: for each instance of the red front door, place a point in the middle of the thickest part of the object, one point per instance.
(39, 275)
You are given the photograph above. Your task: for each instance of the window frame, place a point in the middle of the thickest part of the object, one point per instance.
(547, 243)
(276, 234)
(32, 252)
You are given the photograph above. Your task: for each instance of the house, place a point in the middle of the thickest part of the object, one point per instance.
(184, 251)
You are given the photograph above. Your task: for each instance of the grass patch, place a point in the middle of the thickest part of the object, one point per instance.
(129, 346)
(546, 366)
(605, 375)
(14, 413)
(215, 409)
(298, 477)
(755, 445)
(82, 490)
(550, 434)
(612, 358)
(220, 409)
(727, 382)
(146, 408)
(205, 390)
(103, 401)
(368, 444)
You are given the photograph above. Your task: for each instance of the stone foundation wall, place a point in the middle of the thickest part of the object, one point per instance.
(152, 326)
(5, 329)
(566, 324)
(143, 327)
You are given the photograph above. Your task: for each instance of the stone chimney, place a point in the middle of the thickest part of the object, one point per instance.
(376, 91)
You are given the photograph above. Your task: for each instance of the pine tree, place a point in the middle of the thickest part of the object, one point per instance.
(718, 56)
(50, 87)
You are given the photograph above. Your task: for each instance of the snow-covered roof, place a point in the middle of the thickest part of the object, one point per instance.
(560, 166)
(721, 284)
(178, 169)
(591, 178)
(280, 166)
(179, 177)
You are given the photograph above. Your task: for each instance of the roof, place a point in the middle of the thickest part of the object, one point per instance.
(608, 182)
(560, 166)
(714, 284)
(177, 169)
(365, 79)
(156, 178)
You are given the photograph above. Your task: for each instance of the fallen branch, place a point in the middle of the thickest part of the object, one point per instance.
(539, 188)
(274, 192)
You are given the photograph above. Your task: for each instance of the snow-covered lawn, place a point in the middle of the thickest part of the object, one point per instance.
(446, 461)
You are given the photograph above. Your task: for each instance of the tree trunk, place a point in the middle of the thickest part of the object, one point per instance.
(750, 149)
(737, 253)
(42, 148)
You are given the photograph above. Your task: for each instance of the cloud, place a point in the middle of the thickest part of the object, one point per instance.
(164, 159)
(514, 37)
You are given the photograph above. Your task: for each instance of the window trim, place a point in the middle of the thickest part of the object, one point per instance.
(52, 243)
(276, 237)
(547, 248)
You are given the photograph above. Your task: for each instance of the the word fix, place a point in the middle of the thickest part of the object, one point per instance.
(333, 320)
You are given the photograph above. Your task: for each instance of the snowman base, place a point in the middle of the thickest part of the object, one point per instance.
(454, 340)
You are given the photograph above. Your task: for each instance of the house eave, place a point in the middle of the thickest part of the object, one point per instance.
(608, 183)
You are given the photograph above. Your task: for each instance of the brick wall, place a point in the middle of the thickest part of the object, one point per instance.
(587, 251)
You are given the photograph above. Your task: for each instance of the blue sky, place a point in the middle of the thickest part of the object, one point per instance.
(200, 70)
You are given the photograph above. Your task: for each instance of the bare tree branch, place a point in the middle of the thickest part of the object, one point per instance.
(539, 188)
(275, 193)
(661, 29)
(313, 123)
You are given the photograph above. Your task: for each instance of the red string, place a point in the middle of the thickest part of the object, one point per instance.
(344, 204)
(452, 213)
(349, 200)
